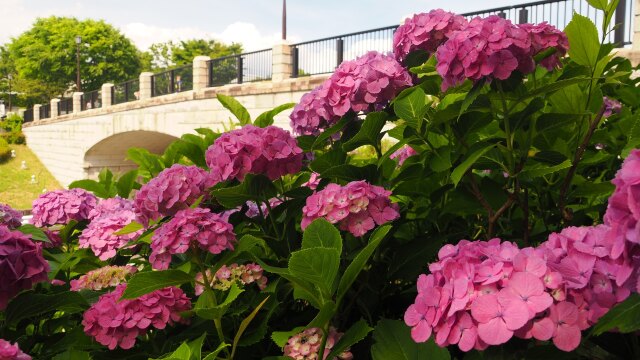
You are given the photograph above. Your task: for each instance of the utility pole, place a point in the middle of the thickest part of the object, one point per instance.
(78, 42)
(284, 19)
(10, 77)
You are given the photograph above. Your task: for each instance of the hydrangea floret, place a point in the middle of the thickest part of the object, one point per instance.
(102, 278)
(10, 351)
(62, 206)
(306, 345)
(10, 217)
(402, 154)
(233, 274)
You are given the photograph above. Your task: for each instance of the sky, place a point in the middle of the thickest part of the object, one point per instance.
(254, 23)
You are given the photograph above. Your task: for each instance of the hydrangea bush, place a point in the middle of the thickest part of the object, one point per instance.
(260, 243)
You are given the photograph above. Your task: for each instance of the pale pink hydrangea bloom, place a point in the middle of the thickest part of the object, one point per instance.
(190, 227)
(104, 277)
(21, 264)
(357, 207)
(116, 322)
(306, 345)
(10, 217)
(425, 31)
(403, 154)
(62, 206)
(174, 189)
(233, 274)
(11, 352)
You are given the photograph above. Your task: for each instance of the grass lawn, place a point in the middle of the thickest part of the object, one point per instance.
(16, 188)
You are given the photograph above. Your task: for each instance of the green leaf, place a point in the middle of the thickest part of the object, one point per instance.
(321, 233)
(624, 317)
(304, 288)
(356, 333)
(146, 282)
(30, 304)
(245, 244)
(584, 44)
(183, 352)
(214, 355)
(254, 187)
(126, 183)
(131, 227)
(318, 266)
(369, 133)
(393, 341)
(244, 324)
(266, 118)
(72, 354)
(471, 97)
(324, 316)
(281, 337)
(191, 151)
(146, 160)
(206, 309)
(549, 89)
(35, 233)
(353, 270)
(460, 170)
(598, 4)
(93, 186)
(196, 347)
(239, 111)
(321, 140)
(410, 106)
(537, 170)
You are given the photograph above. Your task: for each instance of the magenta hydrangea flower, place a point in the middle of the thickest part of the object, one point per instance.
(21, 264)
(403, 154)
(233, 274)
(116, 322)
(546, 36)
(357, 207)
(10, 351)
(611, 106)
(100, 235)
(174, 189)
(111, 205)
(425, 31)
(306, 345)
(190, 227)
(10, 217)
(104, 277)
(62, 206)
(312, 114)
(271, 151)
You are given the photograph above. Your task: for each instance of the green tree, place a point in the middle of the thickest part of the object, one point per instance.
(44, 57)
(165, 55)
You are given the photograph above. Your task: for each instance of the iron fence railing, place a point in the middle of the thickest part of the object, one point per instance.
(125, 92)
(241, 68)
(65, 106)
(28, 115)
(172, 81)
(91, 100)
(45, 111)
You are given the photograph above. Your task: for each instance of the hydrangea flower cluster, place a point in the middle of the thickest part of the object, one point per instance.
(10, 217)
(11, 352)
(611, 106)
(114, 322)
(233, 274)
(198, 226)
(314, 181)
(403, 154)
(174, 189)
(306, 345)
(546, 36)
(271, 151)
(426, 32)
(62, 206)
(364, 84)
(21, 264)
(102, 278)
(109, 217)
(357, 207)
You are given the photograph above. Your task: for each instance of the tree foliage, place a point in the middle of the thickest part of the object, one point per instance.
(168, 54)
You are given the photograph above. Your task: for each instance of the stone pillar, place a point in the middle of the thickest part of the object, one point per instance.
(77, 102)
(54, 108)
(21, 113)
(282, 67)
(145, 85)
(201, 72)
(635, 45)
(106, 95)
(36, 112)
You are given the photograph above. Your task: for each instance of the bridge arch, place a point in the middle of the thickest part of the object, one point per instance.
(111, 152)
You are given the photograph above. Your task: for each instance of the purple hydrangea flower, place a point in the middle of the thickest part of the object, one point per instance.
(62, 206)
(10, 217)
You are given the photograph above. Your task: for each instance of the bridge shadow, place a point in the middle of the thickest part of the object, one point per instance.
(111, 152)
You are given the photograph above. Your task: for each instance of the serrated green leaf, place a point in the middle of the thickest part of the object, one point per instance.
(319, 266)
(584, 44)
(321, 233)
(126, 183)
(214, 355)
(393, 341)
(280, 338)
(233, 105)
(206, 309)
(266, 118)
(624, 317)
(30, 304)
(131, 227)
(356, 333)
(369, 133)
(410, 106)
(598, 4)
(244, 324)
(35, 233)
(253, 188)
(460, 170)
(146, 282)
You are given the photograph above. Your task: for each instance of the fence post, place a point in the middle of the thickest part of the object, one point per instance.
(54, 108)
(621, 21)
(502, 14)
(36, 112)
(239, 69)
(145, 85)
(523, 16)
(281, 62)
(106, 95)
(200, 72)
(77, 102)
(21, 113)
(339, 51)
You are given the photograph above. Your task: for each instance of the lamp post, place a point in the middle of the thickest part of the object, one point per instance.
(78, 42)
(284, 19)
(10, 77)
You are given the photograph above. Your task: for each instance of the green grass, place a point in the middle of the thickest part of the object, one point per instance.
(16, 188)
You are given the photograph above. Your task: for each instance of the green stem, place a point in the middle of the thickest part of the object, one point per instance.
(325, 337)
(507, 126)
(273, 222)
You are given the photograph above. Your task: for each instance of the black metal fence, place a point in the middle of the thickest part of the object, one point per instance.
(45, 111)
(91, 100)
(27, 116)
(172, 81)
(241, 68)
(65, 106)
(125, 92)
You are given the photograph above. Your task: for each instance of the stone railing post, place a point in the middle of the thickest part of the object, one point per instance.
(54, 108)
(77, 102)
(21, 113)
(145, 85)
(200, 72)
(282, 67)
(36, 112)
(106, 95)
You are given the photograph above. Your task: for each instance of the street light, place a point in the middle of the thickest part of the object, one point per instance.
(78, 42)
(10, 77)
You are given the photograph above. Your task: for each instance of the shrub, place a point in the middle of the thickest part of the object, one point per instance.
(14, 137)
(5, 150)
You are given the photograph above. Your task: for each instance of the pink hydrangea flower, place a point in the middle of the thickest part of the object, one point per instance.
(612, 106)
(357, 207)
(253, 210)
(99, 234)
(498, 317)
(566, 334)
(425, 31)
(228, 275)
(174, 189)
(270, 151)
(312, 114)
(111, 205)
(21, 264)
(11, 352)
(190, 227)
(403, 154)
(10, 217)
(314, 181)
(104, 277)
(545, 36)
(116, 322)
(62, 206)
(306, 345)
